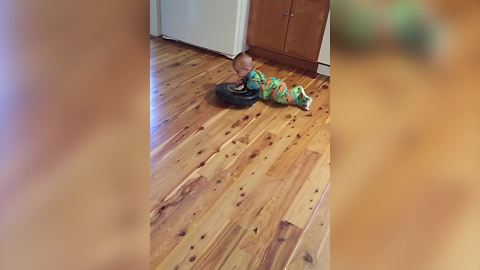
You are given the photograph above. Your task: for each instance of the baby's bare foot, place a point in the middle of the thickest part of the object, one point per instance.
(306, 107)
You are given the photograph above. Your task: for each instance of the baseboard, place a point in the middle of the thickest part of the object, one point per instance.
(154, 37)
(323, 69)
(311, 66)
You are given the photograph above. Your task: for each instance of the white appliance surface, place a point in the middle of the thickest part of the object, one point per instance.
(217, 25)
(324, 55)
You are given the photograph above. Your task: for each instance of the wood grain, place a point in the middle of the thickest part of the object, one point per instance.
(251, 250)
(306, 28)
(268, 22)
(283, 58)
(219, 251)
(301, 209)
(227, 183)
(281, 246)
(313, 250)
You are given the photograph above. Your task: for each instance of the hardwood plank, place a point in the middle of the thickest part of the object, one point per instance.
(313, 250)
(245, 206)
(281, 246)
(212, 131)
(173, 103)
(227, 175)
(178, 99)
(175, 98)
(181, 162)
(224, 178)
(304, 79)
(176, 73)
(250, 252)
(170, 57)
(303, 129)
(225, 200)
(218, 251)
(216, 188)
(262, 120)
(301, 209)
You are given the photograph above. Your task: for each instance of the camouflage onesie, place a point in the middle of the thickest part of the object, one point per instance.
(276, 89)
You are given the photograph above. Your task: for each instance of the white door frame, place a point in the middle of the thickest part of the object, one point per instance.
(155, 22)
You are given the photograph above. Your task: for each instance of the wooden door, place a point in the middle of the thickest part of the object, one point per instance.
(306, 27)
(268, 23)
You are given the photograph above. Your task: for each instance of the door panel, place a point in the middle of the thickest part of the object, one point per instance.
(306, 27)
(193, 22)
(268, 23)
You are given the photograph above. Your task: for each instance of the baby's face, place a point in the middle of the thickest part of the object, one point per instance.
(243, 66)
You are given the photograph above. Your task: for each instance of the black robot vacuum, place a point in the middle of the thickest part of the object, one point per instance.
(227, 93)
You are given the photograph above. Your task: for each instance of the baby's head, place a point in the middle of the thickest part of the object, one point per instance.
(242, 64)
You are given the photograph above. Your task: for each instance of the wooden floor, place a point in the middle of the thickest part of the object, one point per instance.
(235, 188)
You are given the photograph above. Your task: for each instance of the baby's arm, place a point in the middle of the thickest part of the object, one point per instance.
(239, 84)
(253, 81)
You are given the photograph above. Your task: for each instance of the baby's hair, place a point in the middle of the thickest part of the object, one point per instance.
(240, 56)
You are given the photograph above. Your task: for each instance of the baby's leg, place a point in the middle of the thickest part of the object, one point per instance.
(300, 97)
(295, 96)
(279, 91)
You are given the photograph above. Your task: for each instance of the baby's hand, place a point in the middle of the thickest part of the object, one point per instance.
(239, 87)
(239, 82)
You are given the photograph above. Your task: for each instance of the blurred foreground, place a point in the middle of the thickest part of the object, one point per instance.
(74, 135)
(406, 135)
(74, 163)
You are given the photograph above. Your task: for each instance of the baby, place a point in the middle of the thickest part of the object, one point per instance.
(269, 87)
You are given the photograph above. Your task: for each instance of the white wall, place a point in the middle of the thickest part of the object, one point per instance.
(155, 22)
(216, 25)
(324, 55)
